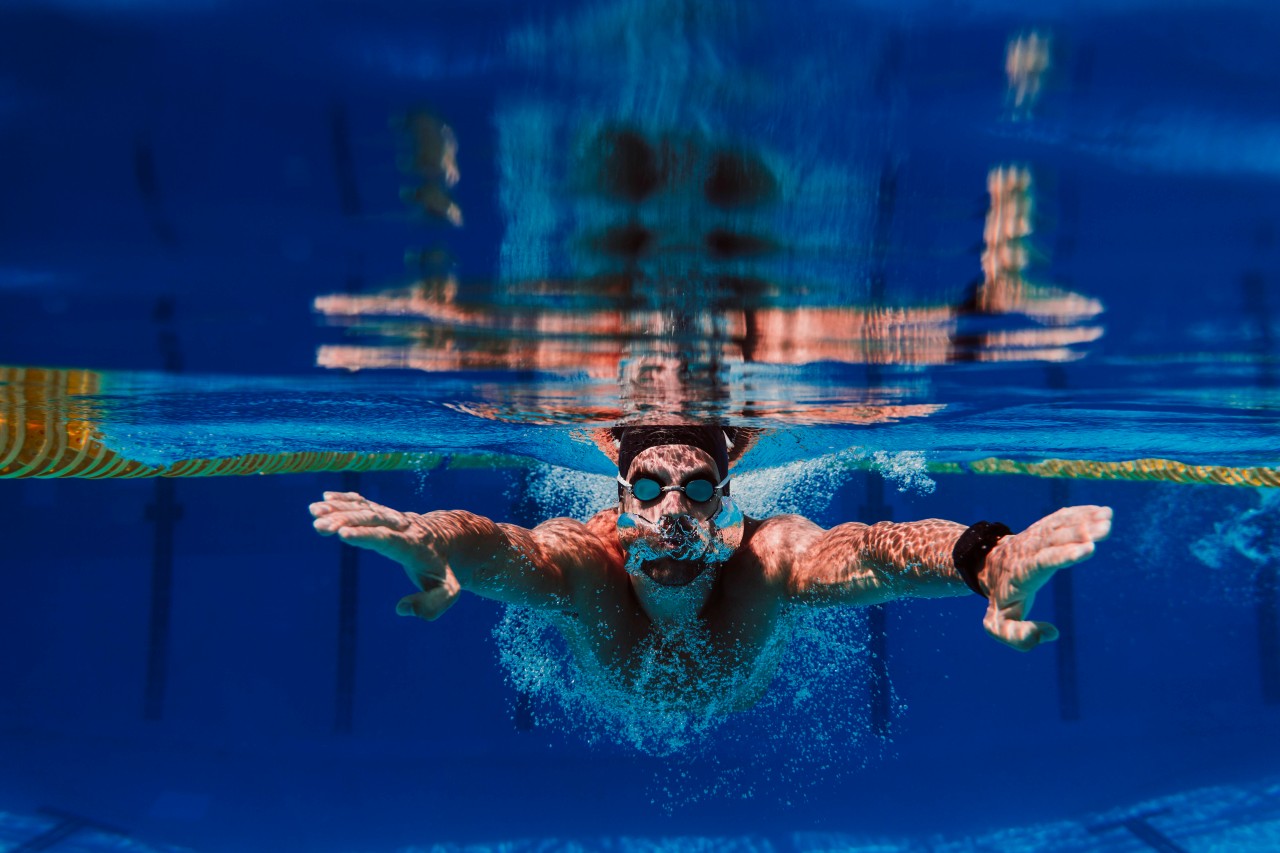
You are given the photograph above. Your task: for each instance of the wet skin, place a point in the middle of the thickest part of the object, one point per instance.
(714, 634)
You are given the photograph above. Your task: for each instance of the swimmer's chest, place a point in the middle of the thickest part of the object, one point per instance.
(745, 608)
(740, 617)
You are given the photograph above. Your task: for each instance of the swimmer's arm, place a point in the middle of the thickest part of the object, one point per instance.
(505, 562)
(860, 564)
(447, 552)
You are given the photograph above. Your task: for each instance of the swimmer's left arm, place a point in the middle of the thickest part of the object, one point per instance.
(861, 564)
(858, 564)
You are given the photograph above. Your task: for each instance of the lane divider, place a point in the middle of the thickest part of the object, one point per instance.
(1142, 470)
(46, 433)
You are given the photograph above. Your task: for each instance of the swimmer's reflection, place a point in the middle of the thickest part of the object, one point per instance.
(676, 303)
(431, 156)
(612, 329)
(1026, 61)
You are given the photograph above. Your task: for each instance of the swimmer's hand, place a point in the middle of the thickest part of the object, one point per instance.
(1019, 565)
(398, 536)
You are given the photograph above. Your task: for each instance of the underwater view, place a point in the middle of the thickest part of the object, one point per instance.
(639, 425)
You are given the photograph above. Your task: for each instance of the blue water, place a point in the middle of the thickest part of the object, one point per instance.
(210, 207)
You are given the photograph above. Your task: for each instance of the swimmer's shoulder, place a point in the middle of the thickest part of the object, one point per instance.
(605, 524)
(577, 545)
(782, 533)
(777, 543)
(604, 527)
(587, 552)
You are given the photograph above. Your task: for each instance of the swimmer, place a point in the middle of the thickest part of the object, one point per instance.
(676, 559)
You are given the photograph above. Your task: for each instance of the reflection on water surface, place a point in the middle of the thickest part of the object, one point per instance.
(678, 315)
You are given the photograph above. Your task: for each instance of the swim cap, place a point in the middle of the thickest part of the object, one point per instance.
(634, 440)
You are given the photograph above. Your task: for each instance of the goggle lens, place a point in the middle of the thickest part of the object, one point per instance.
(646, 489)
(698, 491)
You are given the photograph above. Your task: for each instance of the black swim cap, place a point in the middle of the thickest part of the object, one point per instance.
(633, 440)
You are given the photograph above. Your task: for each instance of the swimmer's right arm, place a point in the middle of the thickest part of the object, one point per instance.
(447, 552)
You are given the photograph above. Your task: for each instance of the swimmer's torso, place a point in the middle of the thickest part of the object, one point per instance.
(724, 658)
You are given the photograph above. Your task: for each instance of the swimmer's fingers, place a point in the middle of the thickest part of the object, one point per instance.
(381, 540)
(342, 502)
(394, 545)
(431, 603)
(330, 519)
(338, 502)
(371, 516)
(1077, 524)
(1024, 563)
(422, 565)
(1019, 581)
(369, 536)
(1023, 635)
(1049, 560)
(1020, 565)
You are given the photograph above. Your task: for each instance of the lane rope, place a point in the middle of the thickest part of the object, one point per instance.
(46, 434)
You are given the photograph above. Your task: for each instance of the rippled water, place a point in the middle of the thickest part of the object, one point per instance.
(709, 221)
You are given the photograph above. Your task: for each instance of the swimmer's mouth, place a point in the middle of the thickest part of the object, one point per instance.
(677, 532)
(674, 572)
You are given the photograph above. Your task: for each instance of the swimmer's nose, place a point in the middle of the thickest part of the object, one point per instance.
(677, 524)
(673, 503)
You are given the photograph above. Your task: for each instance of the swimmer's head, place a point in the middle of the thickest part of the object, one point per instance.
(635, 441)
(674, 536)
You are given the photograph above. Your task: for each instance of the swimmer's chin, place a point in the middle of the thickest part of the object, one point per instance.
(674, 573)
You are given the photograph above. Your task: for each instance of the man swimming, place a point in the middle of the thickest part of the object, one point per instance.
(675, 574)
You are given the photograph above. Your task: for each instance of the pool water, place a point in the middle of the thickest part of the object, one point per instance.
(970, 261)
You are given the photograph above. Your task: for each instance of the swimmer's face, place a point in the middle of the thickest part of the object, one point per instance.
(671, 465)
(673, 513)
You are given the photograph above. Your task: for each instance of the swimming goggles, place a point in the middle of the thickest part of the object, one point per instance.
(648, 489)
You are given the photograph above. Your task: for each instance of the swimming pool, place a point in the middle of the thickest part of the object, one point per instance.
(965, 262)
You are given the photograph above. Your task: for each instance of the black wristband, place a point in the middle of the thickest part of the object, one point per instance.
(972, 548)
